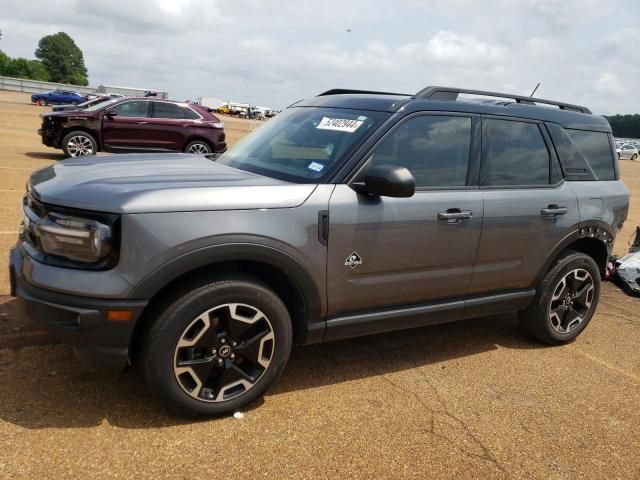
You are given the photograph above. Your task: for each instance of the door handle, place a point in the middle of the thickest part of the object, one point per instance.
(454, 215)
(141, 123)
(553, 211)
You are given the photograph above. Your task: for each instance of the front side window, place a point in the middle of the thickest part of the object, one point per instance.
(131, 109)
(513, 154)
(303, 144)
(435, 149)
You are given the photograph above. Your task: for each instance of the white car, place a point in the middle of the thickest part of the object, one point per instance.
(627, 152)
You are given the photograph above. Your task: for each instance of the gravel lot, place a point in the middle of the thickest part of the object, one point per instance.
(475, 399)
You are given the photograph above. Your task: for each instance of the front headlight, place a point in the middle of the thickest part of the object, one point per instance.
(74, 238)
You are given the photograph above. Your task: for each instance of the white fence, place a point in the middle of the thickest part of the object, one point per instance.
(34, 86)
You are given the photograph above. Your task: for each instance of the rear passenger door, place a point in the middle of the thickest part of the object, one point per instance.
(528, 208)
(171, 125)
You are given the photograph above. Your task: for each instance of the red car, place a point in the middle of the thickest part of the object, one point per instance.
(134, 124)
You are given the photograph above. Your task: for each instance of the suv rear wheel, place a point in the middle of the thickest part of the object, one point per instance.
(217, 347)
(565, 301)
(198, 147)
(79, 144)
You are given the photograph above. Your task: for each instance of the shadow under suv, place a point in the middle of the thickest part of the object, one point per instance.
(134, 124)
(351, 213)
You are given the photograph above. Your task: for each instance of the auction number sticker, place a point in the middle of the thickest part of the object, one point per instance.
(339, 124)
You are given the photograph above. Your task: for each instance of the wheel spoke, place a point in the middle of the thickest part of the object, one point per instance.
(572, 319)
(231, 376)
(582, 294)
(251, 349)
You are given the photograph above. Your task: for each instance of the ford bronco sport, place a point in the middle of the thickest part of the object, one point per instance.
(351, 213)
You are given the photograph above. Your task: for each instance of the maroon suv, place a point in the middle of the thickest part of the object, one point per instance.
(134, 124)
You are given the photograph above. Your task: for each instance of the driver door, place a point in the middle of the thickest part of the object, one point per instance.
(128, 128)
(386, 252)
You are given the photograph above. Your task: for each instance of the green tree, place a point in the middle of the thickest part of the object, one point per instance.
(4, 61)
(23, 68)
(63, 59)
(625, 126)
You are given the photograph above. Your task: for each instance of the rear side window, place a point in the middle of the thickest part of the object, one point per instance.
(596, 148)
(435, 149)
(169, 110)
(513, 154)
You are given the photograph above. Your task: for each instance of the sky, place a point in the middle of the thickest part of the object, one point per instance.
(273, 53)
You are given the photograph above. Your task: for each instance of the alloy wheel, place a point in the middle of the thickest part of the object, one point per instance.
(223, 352)
(571, 300)
(198, 148)
(79, 146)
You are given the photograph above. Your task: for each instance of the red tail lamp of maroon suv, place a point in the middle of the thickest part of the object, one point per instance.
(134, 124)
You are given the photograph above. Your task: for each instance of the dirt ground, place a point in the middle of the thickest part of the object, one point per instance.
(475, 399)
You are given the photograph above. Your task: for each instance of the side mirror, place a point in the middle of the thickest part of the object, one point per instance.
(387, 181)
(110, 113)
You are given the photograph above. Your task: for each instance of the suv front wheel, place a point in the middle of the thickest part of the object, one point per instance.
(565, 301)
(79, 144)
(217, 347)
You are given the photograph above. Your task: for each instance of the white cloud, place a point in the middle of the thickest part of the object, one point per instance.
(454, 49)
(273, 53)
(609, 84)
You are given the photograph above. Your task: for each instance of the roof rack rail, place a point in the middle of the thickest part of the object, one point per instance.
(341, 91)
(449, 93)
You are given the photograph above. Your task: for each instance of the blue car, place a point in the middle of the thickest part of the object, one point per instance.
(57, 97)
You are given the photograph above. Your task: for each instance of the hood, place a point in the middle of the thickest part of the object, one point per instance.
(68, 113)
(168, 182)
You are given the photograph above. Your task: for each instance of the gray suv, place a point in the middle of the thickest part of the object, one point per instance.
(349, 214)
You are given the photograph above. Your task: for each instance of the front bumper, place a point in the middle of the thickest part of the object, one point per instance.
(78, 321)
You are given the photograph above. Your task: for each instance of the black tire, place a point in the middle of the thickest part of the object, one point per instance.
(181, 393)
(42, 102)
(198, 147)
(79, 144)
(538, 319)
(634, 156)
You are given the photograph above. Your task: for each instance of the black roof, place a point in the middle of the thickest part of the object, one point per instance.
(445, 99)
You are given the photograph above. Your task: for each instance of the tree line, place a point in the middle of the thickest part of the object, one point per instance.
(58, 60)
(625, 126)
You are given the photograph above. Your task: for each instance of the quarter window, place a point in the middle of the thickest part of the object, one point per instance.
(514, 154)
(596, 148)
(435, 149)
(132, 109)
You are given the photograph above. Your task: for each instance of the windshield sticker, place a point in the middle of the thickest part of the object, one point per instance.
(315, 166)
(339, 124)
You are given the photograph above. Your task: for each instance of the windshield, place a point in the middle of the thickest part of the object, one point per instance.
(303, 145)
(100, 105)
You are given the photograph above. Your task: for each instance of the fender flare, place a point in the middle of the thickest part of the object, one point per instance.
(293, 268)
(596, 229)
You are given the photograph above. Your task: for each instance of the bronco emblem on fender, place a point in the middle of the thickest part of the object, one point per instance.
(353, 260)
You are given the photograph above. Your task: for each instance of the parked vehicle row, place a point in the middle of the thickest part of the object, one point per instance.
(628, 150)
(133, 124)
(351, 213)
